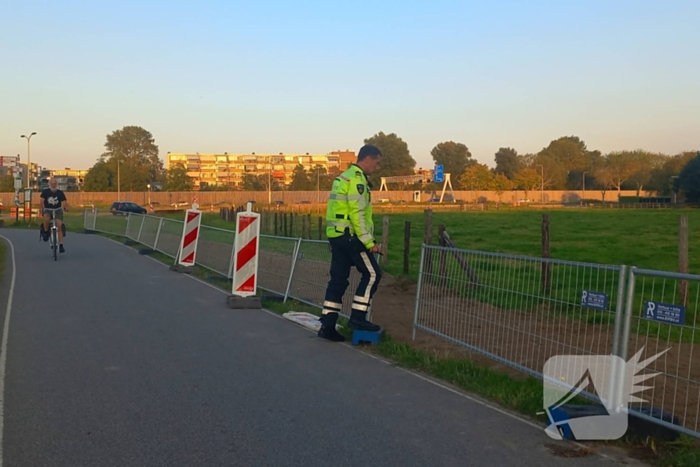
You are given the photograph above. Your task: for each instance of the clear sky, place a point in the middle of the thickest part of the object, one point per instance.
(316, 76)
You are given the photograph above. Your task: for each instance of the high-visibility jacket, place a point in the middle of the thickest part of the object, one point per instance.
(350, 206)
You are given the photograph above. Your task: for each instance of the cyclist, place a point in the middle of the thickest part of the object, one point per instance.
(53, 198)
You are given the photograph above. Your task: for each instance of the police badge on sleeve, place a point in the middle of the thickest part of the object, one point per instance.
(361, 189)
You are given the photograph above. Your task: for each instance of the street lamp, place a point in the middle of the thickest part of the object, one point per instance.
(674, 189)
(119, 184)
(542, 184)
(318, 184)
(29, 161)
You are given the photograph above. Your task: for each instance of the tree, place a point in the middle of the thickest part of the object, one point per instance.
(565, 159)
(643, 163)
(454, 157)
(396, 159)
(477, 177)
(689, 179)
(621, 164)
(300, 179)
(501, 184)
(661, 178)
(527, 180)
(322, 179)
(100, 178)
(507, 162)
(7, 182)
(605, 176)
(251, 182)
(132, 151)
(176, 179)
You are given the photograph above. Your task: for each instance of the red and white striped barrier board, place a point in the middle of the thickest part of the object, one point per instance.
(245, 257)
(190, 235)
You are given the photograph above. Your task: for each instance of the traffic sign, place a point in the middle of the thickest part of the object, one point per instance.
(439, 175)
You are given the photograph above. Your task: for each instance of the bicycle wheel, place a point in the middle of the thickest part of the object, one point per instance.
(54, 244)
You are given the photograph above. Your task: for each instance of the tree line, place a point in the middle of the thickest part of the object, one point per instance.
(566, 163)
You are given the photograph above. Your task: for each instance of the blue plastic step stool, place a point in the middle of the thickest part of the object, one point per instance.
(367, 336)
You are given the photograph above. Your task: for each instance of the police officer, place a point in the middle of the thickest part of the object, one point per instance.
(350, 232)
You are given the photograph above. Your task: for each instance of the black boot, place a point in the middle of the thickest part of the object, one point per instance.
(328, 330)
(358, 321)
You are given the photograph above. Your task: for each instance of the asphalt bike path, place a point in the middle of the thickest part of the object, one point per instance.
(114, 360)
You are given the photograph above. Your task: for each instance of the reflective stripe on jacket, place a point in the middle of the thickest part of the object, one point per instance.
(350, 207)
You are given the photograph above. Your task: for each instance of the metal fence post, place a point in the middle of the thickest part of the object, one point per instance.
(624, 338)
(291, 272)
(619, 309)
(617, 374)
(128, 224)
(143, 221)
(629, 305)
(418, 289)
(160, 225)
(94, 220)
(230, 262)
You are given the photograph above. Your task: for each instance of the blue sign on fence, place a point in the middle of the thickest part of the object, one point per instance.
(439, 175)
(664, 312)
(596, 300)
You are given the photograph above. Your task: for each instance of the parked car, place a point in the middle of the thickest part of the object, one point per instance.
(124, 207)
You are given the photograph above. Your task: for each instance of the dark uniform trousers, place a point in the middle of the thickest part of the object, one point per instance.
(348, 251)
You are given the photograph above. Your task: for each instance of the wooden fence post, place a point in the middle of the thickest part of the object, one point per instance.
(385, 239)
(683, 257)
(406, 246)
(546, 272)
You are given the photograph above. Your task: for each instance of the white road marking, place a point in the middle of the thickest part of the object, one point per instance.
(3, 348)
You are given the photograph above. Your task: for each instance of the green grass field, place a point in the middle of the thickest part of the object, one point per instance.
(644, 238)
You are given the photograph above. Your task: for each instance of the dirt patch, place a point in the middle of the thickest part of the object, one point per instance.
(569, 451)
(394, 309)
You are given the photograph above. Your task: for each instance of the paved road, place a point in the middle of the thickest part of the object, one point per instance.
(114, 360)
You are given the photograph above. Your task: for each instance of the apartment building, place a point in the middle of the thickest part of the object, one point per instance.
(229, 169)
(66, 179)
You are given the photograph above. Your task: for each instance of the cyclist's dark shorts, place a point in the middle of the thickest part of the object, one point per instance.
(56, 214)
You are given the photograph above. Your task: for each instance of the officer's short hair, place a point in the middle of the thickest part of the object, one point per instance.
(368, 151)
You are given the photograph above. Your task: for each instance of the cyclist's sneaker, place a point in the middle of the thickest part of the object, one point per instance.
(61, 249)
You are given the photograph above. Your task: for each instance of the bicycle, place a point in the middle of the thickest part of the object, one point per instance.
(53, 232)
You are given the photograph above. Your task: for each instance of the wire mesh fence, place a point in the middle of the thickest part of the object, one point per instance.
(275, 263)
(312, 273)
(170, 237)
(215, 249)
(662, 320)
(519, 310)
(106, 222)
(148, 233)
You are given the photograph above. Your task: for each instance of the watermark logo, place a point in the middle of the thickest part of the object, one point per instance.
(614, 381)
